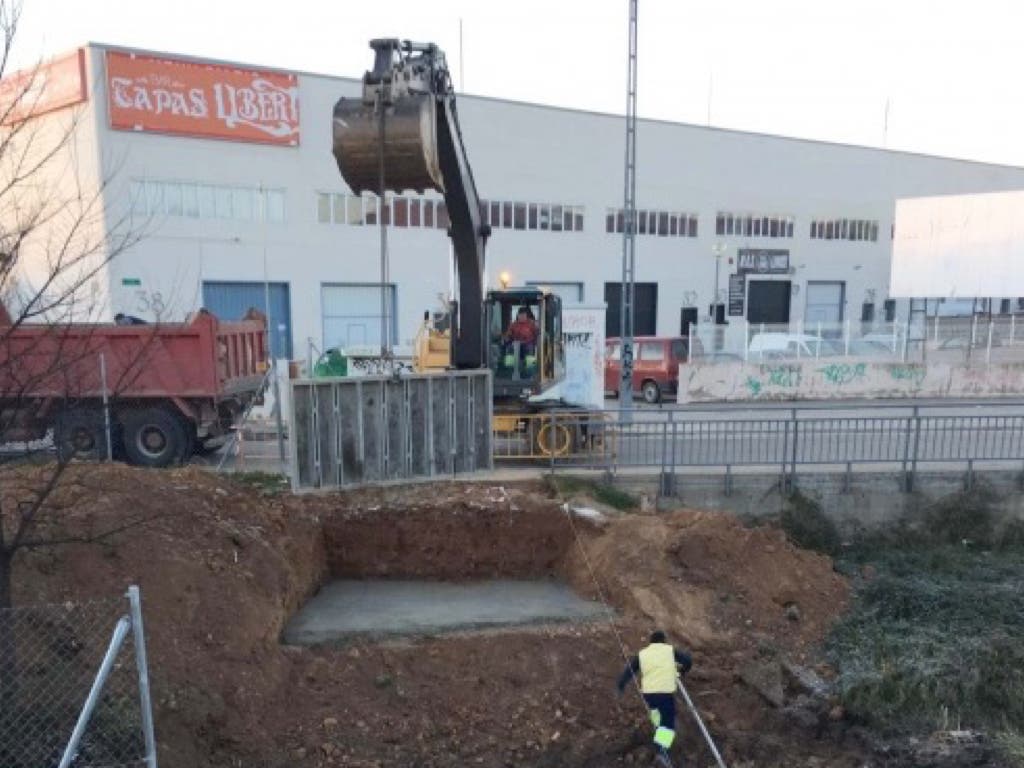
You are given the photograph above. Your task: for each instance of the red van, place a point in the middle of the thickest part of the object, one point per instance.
(655, 367)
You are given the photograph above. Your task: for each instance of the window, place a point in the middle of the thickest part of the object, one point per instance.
(613, 351)
(207, 202)
(851, 230)
(556, 218)
(242, 203)
(519, 217)
(222, 197)
(401, 207)
(414, 212)
(353, 211)
(652, 351)
(190, 201)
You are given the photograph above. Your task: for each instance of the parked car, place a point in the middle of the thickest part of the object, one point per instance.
(656, 362)
(790, 345)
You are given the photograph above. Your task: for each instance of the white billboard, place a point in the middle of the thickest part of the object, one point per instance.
(955, 246)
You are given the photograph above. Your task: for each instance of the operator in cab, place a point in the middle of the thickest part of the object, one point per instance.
(523, 329)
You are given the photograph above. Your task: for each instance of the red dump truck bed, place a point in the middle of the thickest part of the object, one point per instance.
(170, 387)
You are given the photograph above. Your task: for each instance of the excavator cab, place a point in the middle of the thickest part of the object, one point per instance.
(526, 353)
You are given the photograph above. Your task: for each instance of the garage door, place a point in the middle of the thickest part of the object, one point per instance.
(352, 316)
(645, 309)
(231, 300)
(824, 303)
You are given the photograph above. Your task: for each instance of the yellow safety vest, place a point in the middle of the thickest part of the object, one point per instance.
(658, 673)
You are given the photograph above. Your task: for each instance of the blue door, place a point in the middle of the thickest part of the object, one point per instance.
(230, 301)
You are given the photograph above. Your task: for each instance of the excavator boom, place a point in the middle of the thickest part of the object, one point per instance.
(403, 133)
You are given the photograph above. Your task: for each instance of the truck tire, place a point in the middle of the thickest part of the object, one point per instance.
(651, 392)
(155, 437)
(80, 434)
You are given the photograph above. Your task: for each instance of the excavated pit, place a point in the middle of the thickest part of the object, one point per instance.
(441, 564)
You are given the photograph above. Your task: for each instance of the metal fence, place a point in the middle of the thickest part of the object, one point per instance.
(965, 340)
(349, 431)
(674, 440)
(74, 687)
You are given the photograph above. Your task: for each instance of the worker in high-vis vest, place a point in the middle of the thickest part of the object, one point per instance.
(658, 668)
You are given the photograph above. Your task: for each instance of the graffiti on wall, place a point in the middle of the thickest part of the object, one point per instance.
(842, 374)
(784, 376)
(583, 336)
(911, 373)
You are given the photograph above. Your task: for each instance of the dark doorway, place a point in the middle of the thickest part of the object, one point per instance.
(645, 309)
(768, 301)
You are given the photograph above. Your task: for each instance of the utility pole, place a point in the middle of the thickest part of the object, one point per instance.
(626, 308)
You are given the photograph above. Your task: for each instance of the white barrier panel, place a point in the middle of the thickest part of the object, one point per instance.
(583, 332)
(844, 379)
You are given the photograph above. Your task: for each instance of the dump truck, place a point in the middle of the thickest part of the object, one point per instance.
(161, 392)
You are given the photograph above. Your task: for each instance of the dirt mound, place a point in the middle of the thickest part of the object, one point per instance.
(222, 567)
(712, 582)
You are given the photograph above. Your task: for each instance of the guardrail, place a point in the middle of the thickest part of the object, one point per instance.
(674, 440)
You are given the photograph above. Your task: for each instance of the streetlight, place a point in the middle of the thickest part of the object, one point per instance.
(718, 249)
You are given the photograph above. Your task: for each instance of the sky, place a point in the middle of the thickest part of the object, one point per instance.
(933, 76)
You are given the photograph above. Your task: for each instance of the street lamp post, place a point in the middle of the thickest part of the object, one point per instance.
(718, 249)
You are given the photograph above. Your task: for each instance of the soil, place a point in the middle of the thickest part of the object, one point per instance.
(222, 567)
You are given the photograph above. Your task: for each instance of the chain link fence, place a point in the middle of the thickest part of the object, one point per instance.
(58, 659)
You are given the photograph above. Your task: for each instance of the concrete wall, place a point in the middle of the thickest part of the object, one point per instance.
(861, 503)
(825, 379)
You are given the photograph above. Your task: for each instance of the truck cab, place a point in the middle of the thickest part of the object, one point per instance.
(525, 349)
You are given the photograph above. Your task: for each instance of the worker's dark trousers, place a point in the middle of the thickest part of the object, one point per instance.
(665, 705)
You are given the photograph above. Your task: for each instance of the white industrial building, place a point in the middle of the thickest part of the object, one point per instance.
(223, 213)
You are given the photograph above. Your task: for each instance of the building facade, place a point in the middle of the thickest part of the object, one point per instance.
(225, 173)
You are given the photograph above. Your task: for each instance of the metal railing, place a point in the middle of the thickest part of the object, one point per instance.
(969, 340)
(775, 439)
(74, 685)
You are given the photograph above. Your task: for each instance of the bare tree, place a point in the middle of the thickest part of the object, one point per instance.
(56, 240)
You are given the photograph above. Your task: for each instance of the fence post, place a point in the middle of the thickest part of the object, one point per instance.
(796, 438)
(145, 700)
(106, 407)
(906, 448)
(552, 441)
(121, 631)
(917, 448)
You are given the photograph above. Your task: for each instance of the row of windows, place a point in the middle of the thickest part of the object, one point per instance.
(753, 225)
(844, 229)
(150, 197)
(661, 223)
(359, 211)
(532, 216)
(353, 210)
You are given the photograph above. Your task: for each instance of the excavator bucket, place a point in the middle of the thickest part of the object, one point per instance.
(409, 145)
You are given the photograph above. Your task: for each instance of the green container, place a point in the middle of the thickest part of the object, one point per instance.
(333, 362)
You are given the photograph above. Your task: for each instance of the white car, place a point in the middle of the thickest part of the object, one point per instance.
(789, 345)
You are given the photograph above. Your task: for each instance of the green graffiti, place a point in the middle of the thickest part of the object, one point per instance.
(753, 386)
(783, 375)
(841, 374)
(912, 373)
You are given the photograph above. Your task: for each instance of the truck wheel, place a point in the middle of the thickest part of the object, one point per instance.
(651, 392)
(154, 437)
(80, 434)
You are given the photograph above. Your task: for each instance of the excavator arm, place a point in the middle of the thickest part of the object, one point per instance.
(403, 133)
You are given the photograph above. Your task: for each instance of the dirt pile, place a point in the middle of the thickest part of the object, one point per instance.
(222, 567)
(712, 582)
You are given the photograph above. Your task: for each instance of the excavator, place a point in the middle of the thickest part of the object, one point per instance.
(403, 133)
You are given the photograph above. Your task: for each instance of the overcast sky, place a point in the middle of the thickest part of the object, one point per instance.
(822, 69)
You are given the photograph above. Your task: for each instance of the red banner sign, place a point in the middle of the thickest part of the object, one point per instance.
(54, 85)
(146, 93)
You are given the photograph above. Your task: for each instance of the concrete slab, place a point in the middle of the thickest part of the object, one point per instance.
(346, 609)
